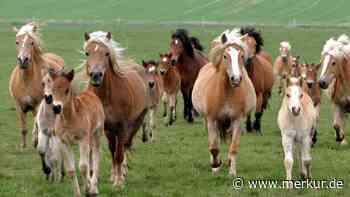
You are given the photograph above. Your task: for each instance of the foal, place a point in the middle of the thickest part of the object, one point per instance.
(297, 120)
(282, 65)
(155, 85)
(171, 81)
(80, 119)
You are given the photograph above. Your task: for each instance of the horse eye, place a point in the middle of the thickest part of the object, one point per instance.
(107, 54)
(67, 91)
(42, 84)
(86, 53)
(333, 63)
(17, 42)
(288, 95)
(32, 43)
(225, 57)
(301, 95)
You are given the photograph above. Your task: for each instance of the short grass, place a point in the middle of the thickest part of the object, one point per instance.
(177, 164)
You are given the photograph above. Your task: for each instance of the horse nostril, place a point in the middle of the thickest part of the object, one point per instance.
(151, 84)
(173, 62)
(100, 74)
(323, 84)
(57, 109)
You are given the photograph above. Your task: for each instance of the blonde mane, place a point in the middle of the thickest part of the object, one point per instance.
(117, 57)
(32, 29)
(286, 44)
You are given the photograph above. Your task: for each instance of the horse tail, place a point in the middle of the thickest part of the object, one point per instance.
(196, 43)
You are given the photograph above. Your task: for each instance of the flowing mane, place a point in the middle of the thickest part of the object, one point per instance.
(32, 29)
(182, 35)
(117, 57)
(338, 48)
(252, 32)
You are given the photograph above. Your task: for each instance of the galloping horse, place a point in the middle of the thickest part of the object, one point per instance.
(297, 121)
(80, 120)
(224, 95)
(25, 82)
(334, 77)
(123, 92)
(282, 64)
(260, 71)
(155, 85)
(188, 61)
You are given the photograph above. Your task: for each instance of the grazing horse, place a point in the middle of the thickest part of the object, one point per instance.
(155, 85)
(25, 82)
(123, 92)
(260, 71)
(297, 120)
(171, 81)
(334, 77)
(48, 147)
(282, 65)
(80, 119)
(224, 95)
(188, 61)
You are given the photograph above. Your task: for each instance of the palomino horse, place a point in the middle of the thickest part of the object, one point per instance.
(334, 77)
(80, 119)
(312, 88)
(171, 81)
(260, 71)
(26, 77)
(48, 148)
(188, 61)
(224, 95)
(155, 85)
(123, 92)
(296, 120)
(282, 65)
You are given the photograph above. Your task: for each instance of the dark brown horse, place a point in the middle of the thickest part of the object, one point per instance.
(121, 86)
(260, 71)
(189, 61)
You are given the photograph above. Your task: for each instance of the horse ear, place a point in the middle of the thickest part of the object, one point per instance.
(70, 75)
(160, 55)
(86, 36)
(318, 66)
(109, 35)
(223, 38)
(14, 29)
(144, 64)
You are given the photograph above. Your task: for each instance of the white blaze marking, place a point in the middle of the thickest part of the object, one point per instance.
(234, 61)
(152, 68)
(165, 59)
(325, 64)
(176, 42)
(295, 96)
(96, 48)
(24, 40)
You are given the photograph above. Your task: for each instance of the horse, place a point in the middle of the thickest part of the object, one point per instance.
(260, 71)
(155, 85)
(48, 147)
(171, 81)
(120, 85)
(297, 121)
(224, 95)
(282, 65)
(25, 81)
(188, 61)
(312, 88)
(334, 77)
(79, 119)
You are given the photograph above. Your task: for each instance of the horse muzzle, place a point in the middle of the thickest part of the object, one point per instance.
(23, 62)
(296, 111)
(309, 83)
(235, 81)
(57, 109)
(96, 79)
(324, 82)
(48, 99)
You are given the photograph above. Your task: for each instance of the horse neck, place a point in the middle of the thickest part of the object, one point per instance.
(69, 111)
(343, 76)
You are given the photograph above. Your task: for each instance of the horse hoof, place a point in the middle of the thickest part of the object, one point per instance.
(232, 173)
(215, 171)
(343, 142)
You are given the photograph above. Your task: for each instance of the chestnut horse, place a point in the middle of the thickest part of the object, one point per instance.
(79, 120)
(171, 81)
(123, 92)
(260, 71)
(25, 82)
(224, 95)
(334, 77)
(155, 85)
(282, 65)
(188, 61)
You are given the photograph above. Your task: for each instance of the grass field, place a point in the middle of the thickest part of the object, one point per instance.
(177, 164)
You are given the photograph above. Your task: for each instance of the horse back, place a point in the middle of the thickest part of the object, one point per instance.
(53, 61)
(262, 74)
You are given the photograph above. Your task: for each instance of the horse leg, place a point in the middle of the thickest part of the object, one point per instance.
(35, 129)
(84, 162)
(165, 104)
(95, 162)
(213, 142)
(185, 99)
(146, 126)
(119, 179)
(172, 104)
(258, 113)
(112, 144)
(190, 107)
(42, 147)
(305, 157)
(23, 125)
(287, 143)
(68, 158)
(249, 124)
(338, 125)
(233, 149)
(152, 123)
(56, 159)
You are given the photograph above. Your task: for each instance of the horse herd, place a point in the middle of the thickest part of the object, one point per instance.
(225, 87)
